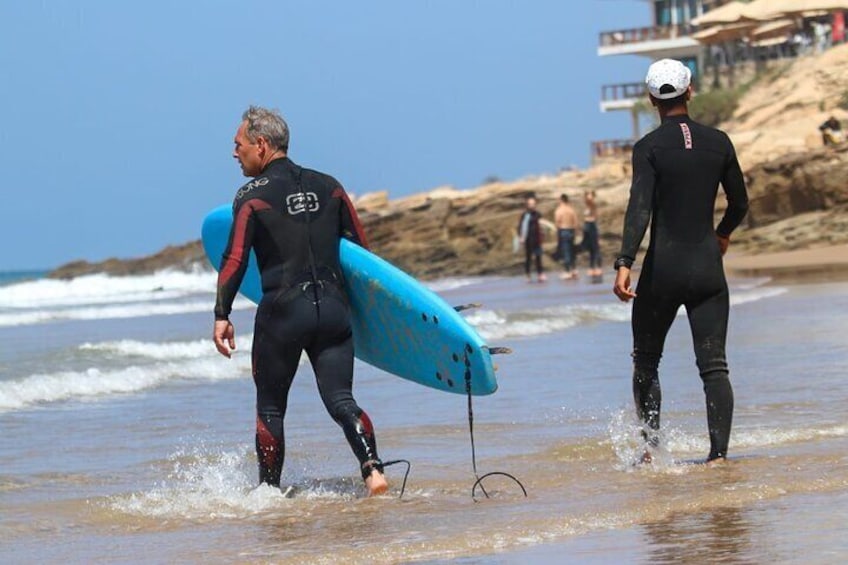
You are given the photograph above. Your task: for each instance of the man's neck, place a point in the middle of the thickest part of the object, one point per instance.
(279, 154)
(681, 110)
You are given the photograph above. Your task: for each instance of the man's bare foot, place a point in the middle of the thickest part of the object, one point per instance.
(717, 462)
(376, 483)
(646, 458)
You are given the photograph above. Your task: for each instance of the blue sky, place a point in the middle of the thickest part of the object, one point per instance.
(118, 117)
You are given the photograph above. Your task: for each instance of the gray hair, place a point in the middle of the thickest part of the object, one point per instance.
(262, 122)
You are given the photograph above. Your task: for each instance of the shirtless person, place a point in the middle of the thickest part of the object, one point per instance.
(565, 219)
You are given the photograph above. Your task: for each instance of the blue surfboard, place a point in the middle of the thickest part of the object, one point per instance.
(399, 325)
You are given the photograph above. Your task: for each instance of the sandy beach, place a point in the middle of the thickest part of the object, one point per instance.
(799, 266)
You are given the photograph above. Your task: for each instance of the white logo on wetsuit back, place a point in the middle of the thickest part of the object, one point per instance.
(301, 202)
(687, 136)
(255, 183)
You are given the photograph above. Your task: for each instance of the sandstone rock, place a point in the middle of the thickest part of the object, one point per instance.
(372, 201)
(185, 257)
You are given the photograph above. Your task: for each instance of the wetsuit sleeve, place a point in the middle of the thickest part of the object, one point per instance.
(234, 261)
(349, 223)
(733, 184)
(639, 206)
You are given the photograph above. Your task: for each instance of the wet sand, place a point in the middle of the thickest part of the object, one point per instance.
(799, 266)
(154, 458)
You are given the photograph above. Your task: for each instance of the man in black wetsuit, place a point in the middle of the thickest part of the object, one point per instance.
(293, 218)
(530, 233)
(676, 172)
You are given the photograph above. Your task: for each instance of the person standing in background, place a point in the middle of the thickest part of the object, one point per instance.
(565, 219)
(591, 239)
(530, 235)
(831, 131)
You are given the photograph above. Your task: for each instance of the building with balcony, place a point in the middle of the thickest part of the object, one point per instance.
(668, 36)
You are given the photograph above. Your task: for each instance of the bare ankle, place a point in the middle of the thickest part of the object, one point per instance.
(376, 483)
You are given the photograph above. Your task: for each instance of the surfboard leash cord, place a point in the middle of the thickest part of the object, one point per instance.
(405, 475)
(479, 481)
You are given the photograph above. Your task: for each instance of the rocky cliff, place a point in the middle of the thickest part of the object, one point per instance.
(799, 197)
(184, 257)
(798, 201)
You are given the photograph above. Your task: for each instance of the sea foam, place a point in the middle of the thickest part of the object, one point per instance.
(94, 383)
(99, 297)
(496, 324)
(196, 349)
(30, 317)
(171, 361)
(105, 289)
(205, 482)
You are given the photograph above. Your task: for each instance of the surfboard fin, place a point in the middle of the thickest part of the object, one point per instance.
(468, 306)
(500, 350)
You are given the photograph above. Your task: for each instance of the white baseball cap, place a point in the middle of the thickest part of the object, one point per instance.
(668, 73)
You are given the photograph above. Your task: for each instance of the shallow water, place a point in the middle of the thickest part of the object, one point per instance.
(126, 439)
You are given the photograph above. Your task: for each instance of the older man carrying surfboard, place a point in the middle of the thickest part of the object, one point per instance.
(293, 219)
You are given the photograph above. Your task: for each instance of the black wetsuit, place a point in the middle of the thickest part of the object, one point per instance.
(591, 243)
(293, 219)
(676, 172)
(530, 229)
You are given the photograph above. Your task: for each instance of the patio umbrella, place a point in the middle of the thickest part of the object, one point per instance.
(726, 14)
(773, 29)
(767, 9)
(721, 33)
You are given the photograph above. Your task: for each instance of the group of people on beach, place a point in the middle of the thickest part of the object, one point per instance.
(293, 218)
(530, 236)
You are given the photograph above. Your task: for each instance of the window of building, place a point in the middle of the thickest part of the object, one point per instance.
(674, 12)
(662, 12)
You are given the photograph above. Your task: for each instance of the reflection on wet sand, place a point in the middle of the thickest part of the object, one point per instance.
(716, 534)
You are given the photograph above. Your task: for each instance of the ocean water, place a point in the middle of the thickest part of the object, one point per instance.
(127, 439)
(9, 277)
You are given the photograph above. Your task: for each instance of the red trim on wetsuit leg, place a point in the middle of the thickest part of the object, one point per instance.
(268, 445)
(367, 426)
(235, 254)
(357, 224)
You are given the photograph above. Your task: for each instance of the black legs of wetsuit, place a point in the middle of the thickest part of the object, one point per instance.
(652, 318)
(647, 395)
(591, 243)
(532, 250)
(288, 323)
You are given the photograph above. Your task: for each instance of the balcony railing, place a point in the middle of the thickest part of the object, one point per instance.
(611, 148)
(626, 91)
(643, 34)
